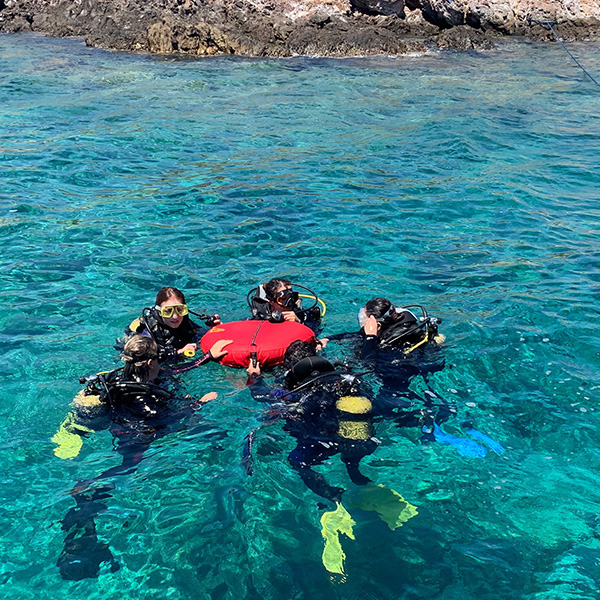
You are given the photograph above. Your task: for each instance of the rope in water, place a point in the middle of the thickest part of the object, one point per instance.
(549, 24)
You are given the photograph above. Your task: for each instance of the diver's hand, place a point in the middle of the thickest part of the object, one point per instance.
(290, 315)
(371, 326)
(322, 343)
(188, 348)
(208, 397)
(253, 369)
(217, 350)
(212, 320)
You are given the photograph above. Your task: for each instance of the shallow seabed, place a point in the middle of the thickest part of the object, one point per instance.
(468, 182)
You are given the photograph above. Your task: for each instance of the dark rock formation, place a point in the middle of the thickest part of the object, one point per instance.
(288, 27)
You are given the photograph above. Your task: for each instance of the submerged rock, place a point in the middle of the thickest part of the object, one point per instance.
(289, 27)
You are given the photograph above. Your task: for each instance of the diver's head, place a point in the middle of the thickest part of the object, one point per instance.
(280, 293)
(303, 363)
(171, 306)
(141, 359)
(296, 351)
(382, 309)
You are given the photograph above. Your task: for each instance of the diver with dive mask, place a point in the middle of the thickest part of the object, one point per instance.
(277, 301)
(168, 323)
(398, 327)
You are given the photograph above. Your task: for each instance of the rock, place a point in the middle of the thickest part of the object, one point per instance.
(463, 37)
(379, 7)
(19, 23)
(160, 38)
(286, 27)
(508, 16)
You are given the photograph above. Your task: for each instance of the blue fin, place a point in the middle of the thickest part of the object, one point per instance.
(463, 446)
(487, 440)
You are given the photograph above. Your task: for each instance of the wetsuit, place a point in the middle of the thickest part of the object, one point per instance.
(394, 369)
(169, 340)
(327, 417)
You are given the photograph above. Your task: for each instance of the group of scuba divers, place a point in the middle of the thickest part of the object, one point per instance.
(328, 407)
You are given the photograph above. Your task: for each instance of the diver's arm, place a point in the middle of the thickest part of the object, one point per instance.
(369, 347)
(290, 315)
(342, 337)
(260, 391)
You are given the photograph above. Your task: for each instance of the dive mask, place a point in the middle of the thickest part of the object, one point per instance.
(167, 312)
(286, 298)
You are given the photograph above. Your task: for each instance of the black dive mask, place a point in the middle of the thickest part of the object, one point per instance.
(391, 316)
(286, 298)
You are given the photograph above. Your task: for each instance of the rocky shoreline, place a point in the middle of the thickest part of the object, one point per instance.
(278, 28)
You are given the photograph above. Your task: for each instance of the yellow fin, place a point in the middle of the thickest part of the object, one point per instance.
(68, 443)
(332, 524)
(391, 507)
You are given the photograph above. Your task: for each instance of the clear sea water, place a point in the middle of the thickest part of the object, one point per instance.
(467, 182)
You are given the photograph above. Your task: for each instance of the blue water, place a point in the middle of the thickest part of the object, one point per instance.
(467, 182)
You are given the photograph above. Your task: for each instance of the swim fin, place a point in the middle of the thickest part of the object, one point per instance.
(68, 442)
(486, 439)
(391, 507)
(463, 446)
(333, 523)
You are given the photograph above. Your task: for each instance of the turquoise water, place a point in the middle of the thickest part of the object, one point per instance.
(468, 182)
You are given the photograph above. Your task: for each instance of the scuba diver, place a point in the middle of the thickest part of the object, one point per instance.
(169, 325)
(325, 410)
(398, 327)
(320, 404)
(277, 301)
(137, 407)
(398, 346)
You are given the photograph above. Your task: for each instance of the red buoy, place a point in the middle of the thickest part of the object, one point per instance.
(263, 340)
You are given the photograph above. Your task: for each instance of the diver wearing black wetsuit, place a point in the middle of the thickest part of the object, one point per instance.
(323, 411)
(397, 346)
(168, 340)
(277, 301)
(168, 323)
(137, 409)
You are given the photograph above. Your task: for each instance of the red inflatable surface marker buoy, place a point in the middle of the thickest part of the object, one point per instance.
(268, 340)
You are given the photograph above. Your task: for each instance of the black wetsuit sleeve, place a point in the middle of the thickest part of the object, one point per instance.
(369, 347)
(260, 391)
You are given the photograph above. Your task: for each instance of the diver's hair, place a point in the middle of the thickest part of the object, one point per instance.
(272, 285)
(138, 350)
(296, 351)
(169, 292)
(377, 307)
